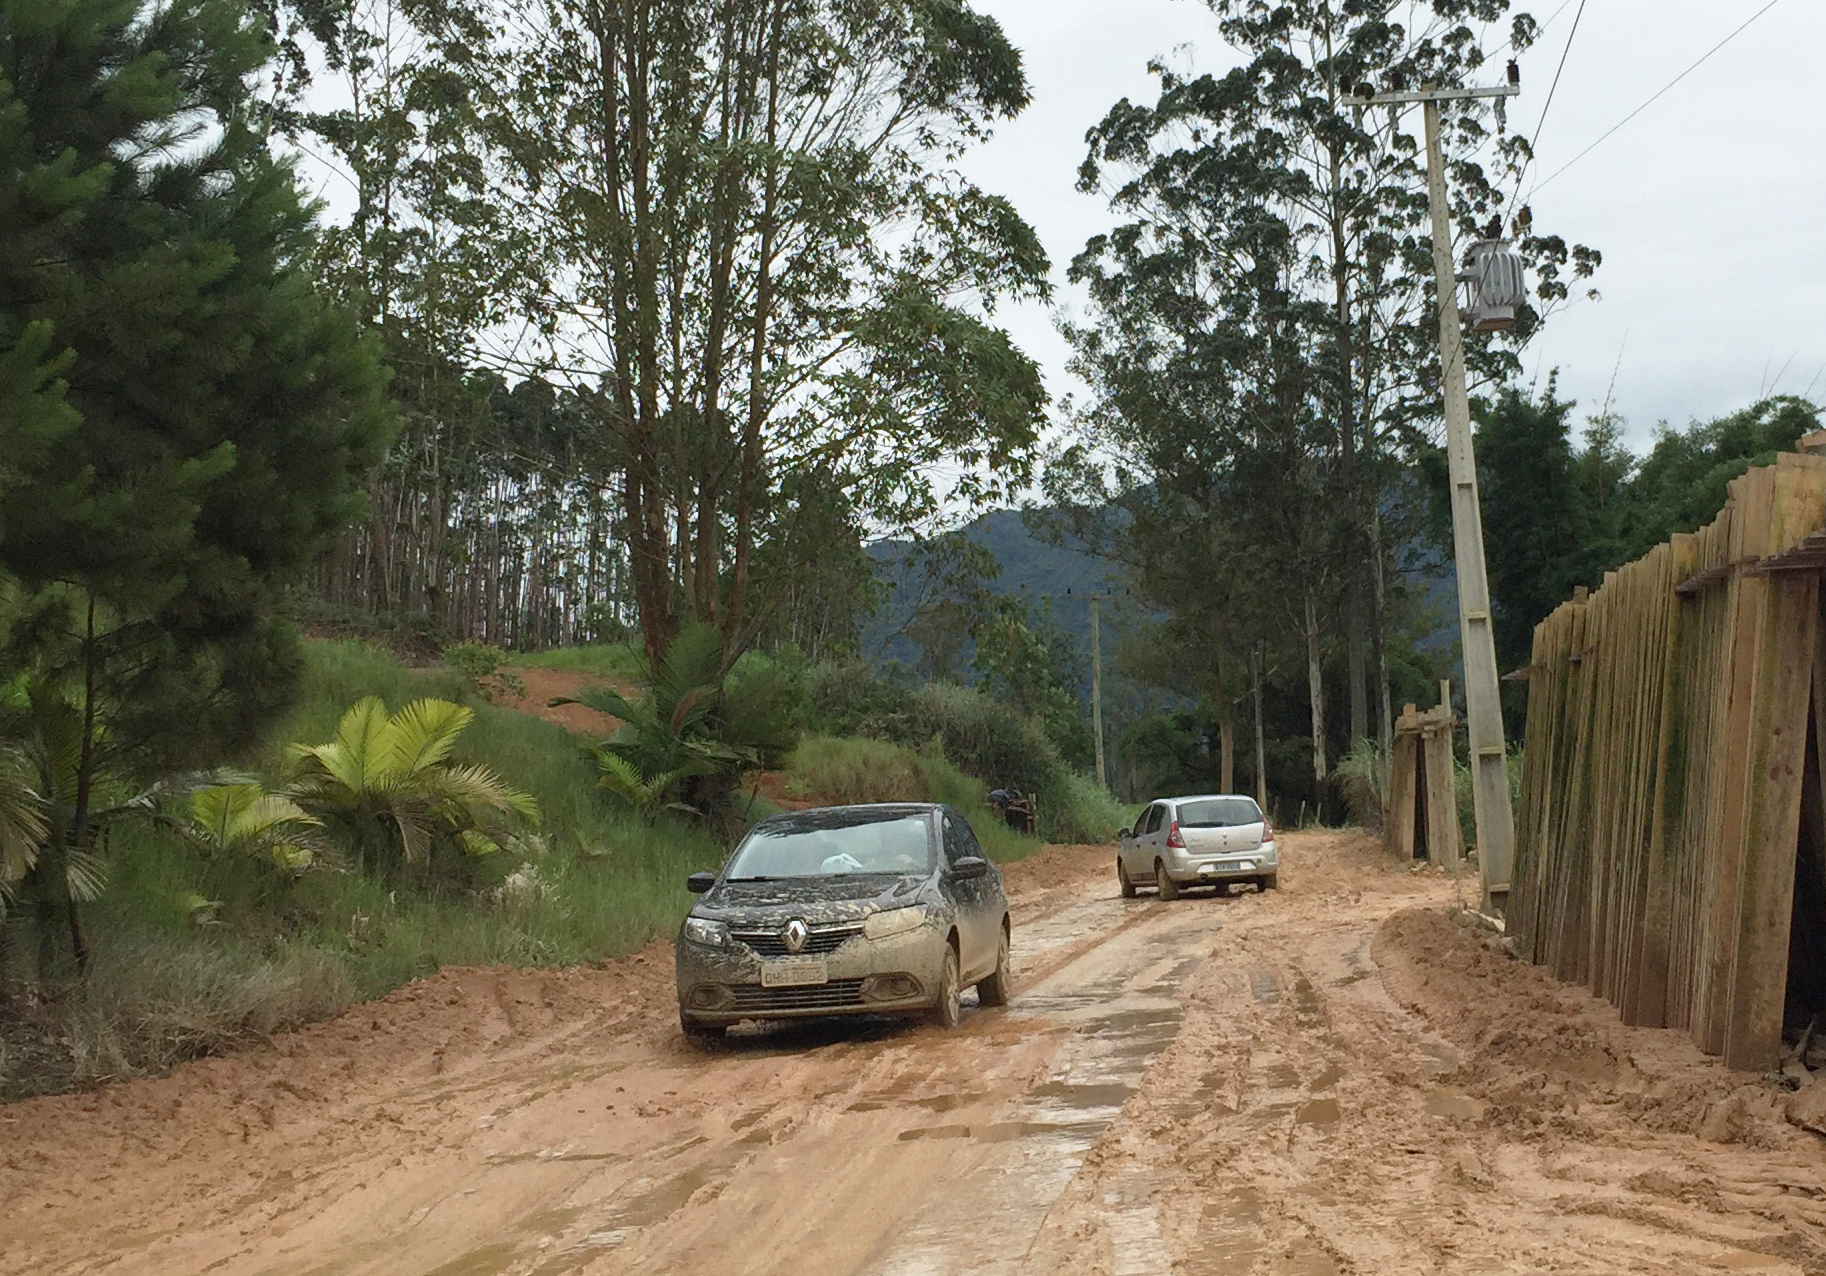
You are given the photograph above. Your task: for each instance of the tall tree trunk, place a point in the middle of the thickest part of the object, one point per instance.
(1315, 691)
(1385, 723)
(85, 790)
(1261, 749)
(1357, 659)
(736, 615)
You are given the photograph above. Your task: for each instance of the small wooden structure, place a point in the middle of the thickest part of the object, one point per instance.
(1422, 817)
(1672, 817)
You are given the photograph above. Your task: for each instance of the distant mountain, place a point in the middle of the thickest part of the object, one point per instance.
(1042, 570)
(1048, 572)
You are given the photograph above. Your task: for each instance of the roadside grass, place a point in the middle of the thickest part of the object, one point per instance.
(616, 660)
(863, 770)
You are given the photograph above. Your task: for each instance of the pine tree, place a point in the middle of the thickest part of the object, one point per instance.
(214, 416)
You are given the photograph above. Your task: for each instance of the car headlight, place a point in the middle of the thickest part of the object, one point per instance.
(701, 930)
(893, 921)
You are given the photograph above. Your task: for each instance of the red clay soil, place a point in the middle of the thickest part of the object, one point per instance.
(546, 685)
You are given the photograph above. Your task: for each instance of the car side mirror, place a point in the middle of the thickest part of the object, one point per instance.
(970, 866)
(1126, 833)
(698, 883)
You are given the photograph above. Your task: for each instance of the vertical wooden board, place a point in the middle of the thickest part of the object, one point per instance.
(1575, 956)
(1645, 1001)
(1567, 840)
(1647, 679)
(1788, 634)
(1753, 494)
(1707, 695)
(1702, 817)
(1537, 798)
(1443, 834)
(1399, 836)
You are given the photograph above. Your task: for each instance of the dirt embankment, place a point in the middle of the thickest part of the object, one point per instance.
(545, 685)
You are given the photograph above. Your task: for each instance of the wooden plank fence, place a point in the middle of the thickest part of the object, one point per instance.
(1423, 806)
(1669, 716)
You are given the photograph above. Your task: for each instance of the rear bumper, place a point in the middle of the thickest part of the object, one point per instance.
(1188, 868)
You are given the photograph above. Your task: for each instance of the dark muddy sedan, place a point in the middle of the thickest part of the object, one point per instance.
(889, 909)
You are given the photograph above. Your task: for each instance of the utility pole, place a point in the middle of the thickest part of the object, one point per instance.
(1097, 694)
(1483, 705)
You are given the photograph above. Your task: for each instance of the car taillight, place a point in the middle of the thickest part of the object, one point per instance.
(1267, 833)
(1174, 840)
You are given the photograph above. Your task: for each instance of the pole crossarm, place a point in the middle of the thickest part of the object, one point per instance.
(1434, 95)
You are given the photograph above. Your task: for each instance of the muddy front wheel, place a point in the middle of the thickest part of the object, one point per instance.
(949, 1008)
(998, 987)
(699, 1033)
(1165, 885)
(1122, 880)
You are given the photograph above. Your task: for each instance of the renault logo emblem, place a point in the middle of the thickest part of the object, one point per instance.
(795, 935)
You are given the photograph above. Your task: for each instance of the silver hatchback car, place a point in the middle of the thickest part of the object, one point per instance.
(883, 909)
(1209, 839)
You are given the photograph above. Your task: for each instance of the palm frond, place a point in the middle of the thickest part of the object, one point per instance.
(359, 746)
(414, 837)
(423, 735)
(85, 875)
(22, 823)
(476, 788)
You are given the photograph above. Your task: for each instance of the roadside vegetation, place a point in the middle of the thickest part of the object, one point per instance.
(212, 935)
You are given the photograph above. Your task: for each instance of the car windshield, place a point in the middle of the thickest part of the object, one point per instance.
(1218, 813)
(832, 843)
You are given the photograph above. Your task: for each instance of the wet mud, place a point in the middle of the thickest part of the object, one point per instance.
(1330, 1078)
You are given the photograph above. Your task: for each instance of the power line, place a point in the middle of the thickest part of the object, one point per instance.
(1664, 88)
(1555, 87)
(1541, 123)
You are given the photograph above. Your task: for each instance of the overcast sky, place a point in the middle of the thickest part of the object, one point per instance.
(1709, 207)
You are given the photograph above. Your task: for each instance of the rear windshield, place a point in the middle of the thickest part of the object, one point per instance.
(1218, 813)
(832, 844)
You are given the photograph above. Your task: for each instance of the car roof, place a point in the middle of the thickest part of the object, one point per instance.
(1207, 797)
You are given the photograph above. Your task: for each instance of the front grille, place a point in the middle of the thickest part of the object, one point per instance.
(826, 939)
(836, 995)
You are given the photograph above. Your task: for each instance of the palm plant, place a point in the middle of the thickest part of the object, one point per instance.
(244, 819)
(690, 734)
(390, 781)
(22, 824)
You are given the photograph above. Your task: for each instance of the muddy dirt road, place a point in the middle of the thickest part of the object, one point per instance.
(1330, 1078)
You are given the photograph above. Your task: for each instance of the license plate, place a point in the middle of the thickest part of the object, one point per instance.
(793, 974)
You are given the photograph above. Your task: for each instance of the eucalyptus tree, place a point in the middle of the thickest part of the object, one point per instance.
(753, 256)
(1343, 370)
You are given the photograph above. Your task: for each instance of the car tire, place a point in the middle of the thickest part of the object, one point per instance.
(999, 986)
(1267, 882)
(1163, 884)
(698, 1032)
(1122, 880)
(948, 1010)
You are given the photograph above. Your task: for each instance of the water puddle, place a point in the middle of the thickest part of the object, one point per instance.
(985, 1223)
(1454, 1106)
(1327, 1079)
(1318, 1112)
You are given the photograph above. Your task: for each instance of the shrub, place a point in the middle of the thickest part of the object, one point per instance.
(1361, 777)
(485, 665)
